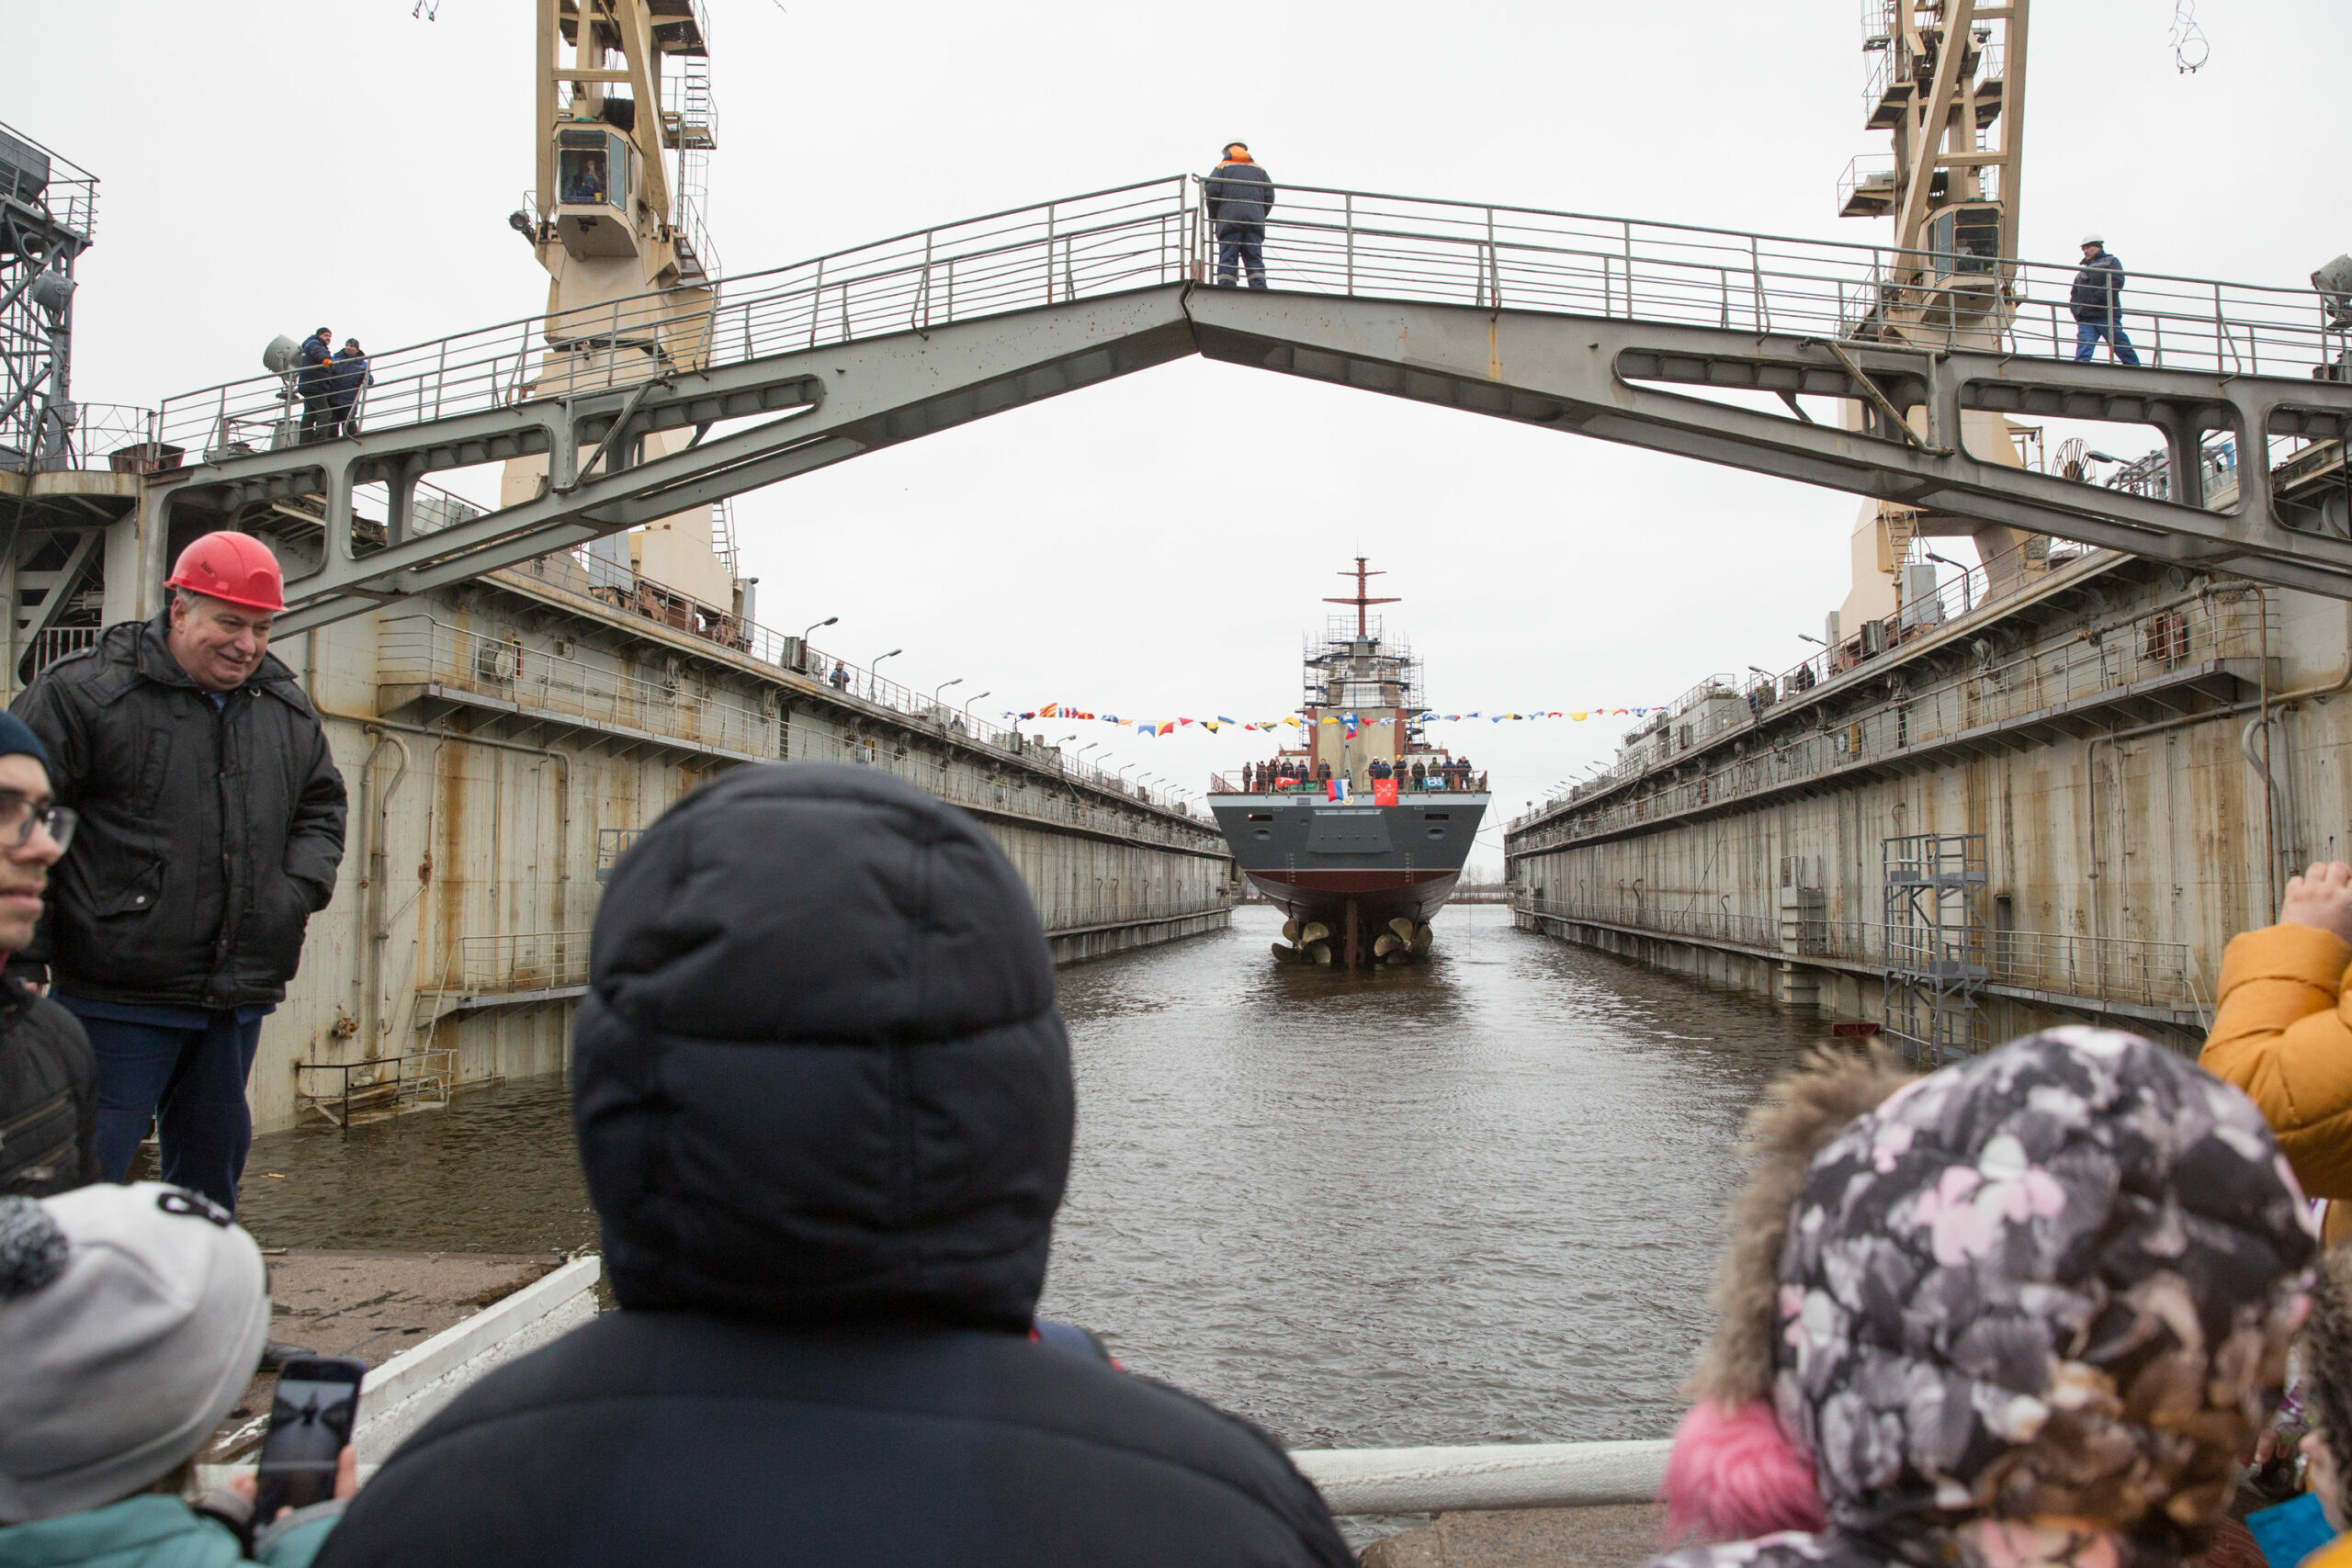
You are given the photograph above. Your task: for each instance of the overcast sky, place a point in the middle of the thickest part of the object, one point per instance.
(1158, 546)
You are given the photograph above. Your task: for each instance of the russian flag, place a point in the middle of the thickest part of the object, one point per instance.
(1337, 789)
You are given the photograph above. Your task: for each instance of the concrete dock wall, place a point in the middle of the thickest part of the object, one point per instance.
(2104, 732)
(502, 743)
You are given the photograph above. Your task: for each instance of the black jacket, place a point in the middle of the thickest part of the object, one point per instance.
(208, 837)
(315, 367)
(824, 1104)
(2098, 290)
(49, 1097)
(1241, 194)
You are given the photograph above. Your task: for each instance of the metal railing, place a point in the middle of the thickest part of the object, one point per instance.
(2193, 630)
(2102, 968)
(420, 650)
(616, 585)
(516, 961)
(1320, 240)
(1456, 780)
(56, 642)
(1718, 704)
(1015, 794)
(1092, 914)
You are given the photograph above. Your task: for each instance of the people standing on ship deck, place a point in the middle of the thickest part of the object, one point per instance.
(49, 1081)
(1239, 196)
(211, 831)
(1985, 1318)
(2097, 300)
(839, 679)
(826, 1136)
(314, 379)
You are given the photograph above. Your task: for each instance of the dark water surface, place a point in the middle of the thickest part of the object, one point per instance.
(1473, 1201)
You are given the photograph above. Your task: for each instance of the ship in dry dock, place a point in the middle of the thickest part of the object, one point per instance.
(1359, 832)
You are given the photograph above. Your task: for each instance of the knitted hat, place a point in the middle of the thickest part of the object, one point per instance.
(130, 1320)
(17, 737)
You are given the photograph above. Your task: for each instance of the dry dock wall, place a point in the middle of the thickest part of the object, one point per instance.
(2104, 732)
(502, 742)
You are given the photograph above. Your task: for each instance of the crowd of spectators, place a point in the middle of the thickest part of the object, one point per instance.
(2032, 1310)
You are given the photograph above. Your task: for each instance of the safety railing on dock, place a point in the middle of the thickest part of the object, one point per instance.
(1319, 240)
(2198, 629)
(1014, 793)
(419, 651)
(2104, 968)
(517, 961)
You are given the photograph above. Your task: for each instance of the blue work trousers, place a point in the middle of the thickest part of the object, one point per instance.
(2087, 336)
(192, 1083)
(1238, 248)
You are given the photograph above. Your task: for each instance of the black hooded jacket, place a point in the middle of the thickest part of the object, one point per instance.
(824, 1105)
(210, 833)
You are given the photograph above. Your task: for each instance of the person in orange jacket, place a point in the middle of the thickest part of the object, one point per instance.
(2282, 1032)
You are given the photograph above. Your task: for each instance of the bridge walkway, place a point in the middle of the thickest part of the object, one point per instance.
(1658, 336)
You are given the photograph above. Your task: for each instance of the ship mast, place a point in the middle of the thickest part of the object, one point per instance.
(1360, 602)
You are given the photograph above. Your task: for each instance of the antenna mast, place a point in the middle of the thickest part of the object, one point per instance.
(1359, 601)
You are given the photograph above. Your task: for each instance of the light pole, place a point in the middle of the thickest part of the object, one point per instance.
(1080, 761)
(1121, 775)
(820, 625)
(976, 696)
(1964, 593)
(1808, 636)
(874, 674)
(941, 687)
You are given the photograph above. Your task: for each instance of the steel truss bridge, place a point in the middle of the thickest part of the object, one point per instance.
(1653, 335)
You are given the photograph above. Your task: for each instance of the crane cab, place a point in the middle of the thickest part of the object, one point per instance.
(595, 169)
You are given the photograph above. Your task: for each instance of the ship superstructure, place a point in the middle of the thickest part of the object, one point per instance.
(1359, 832)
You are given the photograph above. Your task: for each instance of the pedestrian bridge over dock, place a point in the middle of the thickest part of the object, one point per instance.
(1655, 336)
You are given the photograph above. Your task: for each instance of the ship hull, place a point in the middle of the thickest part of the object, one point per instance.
(1312, 857)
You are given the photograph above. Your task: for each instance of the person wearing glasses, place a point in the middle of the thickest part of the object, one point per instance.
(211, 831)
(48, 1096)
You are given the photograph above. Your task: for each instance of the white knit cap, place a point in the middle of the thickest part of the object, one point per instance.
(130, 1320)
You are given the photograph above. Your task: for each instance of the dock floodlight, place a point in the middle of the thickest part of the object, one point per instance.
(2101, 457)
(1759, 669)
(1813, 639)
(279, 358)
(520, 221)
(820, 625)
(942, 686)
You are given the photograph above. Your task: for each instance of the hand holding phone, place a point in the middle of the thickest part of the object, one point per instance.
(310, 1423)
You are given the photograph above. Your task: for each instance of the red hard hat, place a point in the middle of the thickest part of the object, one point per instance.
(236, 569)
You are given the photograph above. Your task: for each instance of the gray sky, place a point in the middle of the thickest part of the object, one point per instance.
(1159, 545)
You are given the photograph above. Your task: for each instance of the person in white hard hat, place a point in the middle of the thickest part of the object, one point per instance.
(2098, 304)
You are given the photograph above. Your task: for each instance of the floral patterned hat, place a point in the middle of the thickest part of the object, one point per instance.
(2055, 1282)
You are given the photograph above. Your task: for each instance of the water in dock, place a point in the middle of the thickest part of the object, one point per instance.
(1473, 1201)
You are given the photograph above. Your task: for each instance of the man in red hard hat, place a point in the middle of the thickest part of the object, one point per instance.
(211, 828)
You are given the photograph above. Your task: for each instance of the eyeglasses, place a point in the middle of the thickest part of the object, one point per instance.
(20, 816)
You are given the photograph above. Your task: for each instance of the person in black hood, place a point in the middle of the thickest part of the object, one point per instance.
(824, 1106)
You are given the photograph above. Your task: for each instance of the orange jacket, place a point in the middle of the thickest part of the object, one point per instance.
(2282, 1032)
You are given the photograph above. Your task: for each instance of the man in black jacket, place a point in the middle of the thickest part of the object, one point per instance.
(212, 821)
(48, 1080)
(314, 379)
(1239, 195)
(824, 1105)
(2097, 300)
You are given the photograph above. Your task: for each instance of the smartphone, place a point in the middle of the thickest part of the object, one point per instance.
(310, 1421)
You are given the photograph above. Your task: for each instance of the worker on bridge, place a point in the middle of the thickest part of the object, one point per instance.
(1239, 195)
(2096, 300)
(314, 379)
(211, 829)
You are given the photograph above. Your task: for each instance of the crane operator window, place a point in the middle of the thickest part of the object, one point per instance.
(585, 162)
